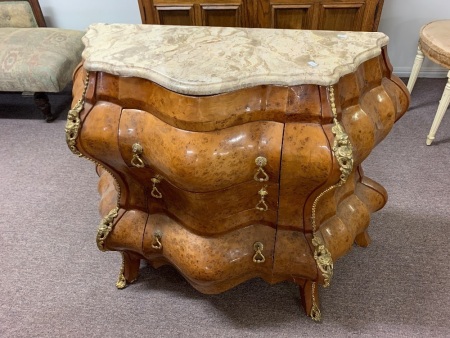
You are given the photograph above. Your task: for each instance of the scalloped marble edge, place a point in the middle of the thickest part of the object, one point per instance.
(180, 59)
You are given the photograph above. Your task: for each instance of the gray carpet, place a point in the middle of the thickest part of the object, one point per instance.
(56, 283)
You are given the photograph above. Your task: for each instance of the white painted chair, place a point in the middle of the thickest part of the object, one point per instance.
(434, 43)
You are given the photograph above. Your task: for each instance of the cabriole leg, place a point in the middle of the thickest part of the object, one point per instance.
(129, 270)
(309, 295)
(363, 239)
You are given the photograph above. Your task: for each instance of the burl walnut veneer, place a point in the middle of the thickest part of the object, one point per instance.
(234, 153)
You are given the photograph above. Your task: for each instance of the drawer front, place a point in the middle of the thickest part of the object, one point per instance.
(217, 212)
(307, 162)
(201, 161)
(210, 264)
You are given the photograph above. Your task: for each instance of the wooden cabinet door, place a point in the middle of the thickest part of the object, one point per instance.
(350, 15)
(345, 15)
(176, 14)
(292, 15)
(353, 15)
(223, 13)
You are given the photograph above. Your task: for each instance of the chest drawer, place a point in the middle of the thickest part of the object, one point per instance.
(211, 264)
(201, 161)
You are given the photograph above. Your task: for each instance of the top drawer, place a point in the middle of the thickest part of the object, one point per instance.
(202, 161)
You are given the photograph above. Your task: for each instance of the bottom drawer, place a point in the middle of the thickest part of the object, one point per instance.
(210, 264)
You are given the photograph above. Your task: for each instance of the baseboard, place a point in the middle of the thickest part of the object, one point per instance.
(424, 72)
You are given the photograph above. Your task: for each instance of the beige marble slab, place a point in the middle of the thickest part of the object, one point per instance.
(212, 60)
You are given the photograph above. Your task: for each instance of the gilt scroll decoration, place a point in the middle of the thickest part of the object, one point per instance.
(343, 152)
(72, 129)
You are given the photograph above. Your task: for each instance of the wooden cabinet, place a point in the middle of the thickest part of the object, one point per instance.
(251, 170)
(352, 15)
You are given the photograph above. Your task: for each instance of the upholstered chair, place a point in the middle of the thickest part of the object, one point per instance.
(34, 58)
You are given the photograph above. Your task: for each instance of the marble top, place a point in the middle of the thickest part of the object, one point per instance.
(210, 60)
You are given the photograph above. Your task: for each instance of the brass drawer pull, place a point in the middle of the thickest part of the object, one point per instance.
(136, 161)
(157, 237)
(261, 175)
(155, 192)
(262, 206)
(258, 257)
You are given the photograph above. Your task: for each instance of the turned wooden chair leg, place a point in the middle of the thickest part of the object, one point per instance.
(415, 69)
(442, 108)
(309, 295)
(129, 270)
(43, 104)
